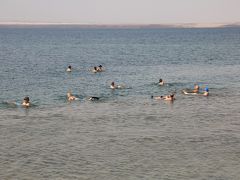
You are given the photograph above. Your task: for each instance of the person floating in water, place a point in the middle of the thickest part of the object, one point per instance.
(169, 97)
(166, 98)
(113, 86)
(93, 98)
(26, 102)
(206, 92)
(94, 69)
(161, 83)
(71, 97)
(192, 91)
(157, 97)
(69, 69)
(100, 68)
(196, 88)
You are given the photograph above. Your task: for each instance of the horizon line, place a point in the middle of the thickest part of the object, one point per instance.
(157, 25)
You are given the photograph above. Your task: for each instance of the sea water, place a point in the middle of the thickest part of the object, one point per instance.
(126, 134)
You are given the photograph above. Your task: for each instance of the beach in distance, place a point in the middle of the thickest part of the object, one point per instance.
(119, 26)
(125, 134)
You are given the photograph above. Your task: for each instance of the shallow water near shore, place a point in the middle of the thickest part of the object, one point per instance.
(126, 134)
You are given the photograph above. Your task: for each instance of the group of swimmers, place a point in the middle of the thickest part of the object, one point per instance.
(161, 83)
(71, 97)
(97, 69)
(94, 70)
(195, 91)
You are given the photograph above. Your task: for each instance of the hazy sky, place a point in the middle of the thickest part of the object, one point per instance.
(120, 11)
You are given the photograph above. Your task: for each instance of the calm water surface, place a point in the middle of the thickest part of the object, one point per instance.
(126, 134)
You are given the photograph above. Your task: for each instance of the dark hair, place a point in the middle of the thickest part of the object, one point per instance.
(26, 98)
(95, 68)
(160, 80)
(70, 67)
(94, 98)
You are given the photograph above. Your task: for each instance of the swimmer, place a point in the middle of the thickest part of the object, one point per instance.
(169, 97)
(99, 68)
(93, 98)
(26, 102)
(157, 97)
(113, 86)
(166, 98)
(94, 69)
(196, 88)
(190, 91)
(71, 97)
(161, 83)
(69, 69)
(206, 92)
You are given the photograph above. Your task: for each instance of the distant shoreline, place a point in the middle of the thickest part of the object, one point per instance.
(122, 26)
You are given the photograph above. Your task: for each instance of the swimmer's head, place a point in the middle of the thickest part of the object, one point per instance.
(100, 66)
(172, 95)
(112, 83)
(95, 68)
(196, 86)
(151, 97)
(70, 67)
(26, 99)
(206, 89)
(160, 80)
(69, 94)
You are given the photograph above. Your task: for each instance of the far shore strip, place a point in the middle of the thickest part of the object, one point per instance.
(178, 25)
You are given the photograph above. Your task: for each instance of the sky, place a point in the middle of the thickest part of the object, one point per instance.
(120, 11)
